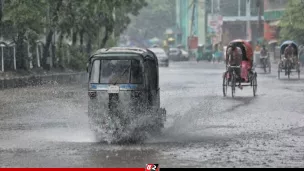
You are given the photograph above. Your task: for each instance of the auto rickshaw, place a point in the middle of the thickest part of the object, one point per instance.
(205, 54)
(208, 53)
(217, 53)
(124, 94)
(200, 51)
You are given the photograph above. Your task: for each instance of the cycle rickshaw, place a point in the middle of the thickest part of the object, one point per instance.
(262, 62)
(231, 79)
(286, 64)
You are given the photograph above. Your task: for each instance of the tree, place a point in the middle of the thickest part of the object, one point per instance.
(292, 23)
(87, 24)
(153, 20)
(21, 24)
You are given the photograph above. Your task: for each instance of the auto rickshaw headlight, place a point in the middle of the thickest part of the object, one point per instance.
(92, 94)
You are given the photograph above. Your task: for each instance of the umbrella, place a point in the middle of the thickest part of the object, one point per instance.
(154, 40)
(171, 39)
(272, 42)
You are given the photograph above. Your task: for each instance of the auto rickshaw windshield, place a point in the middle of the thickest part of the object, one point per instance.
(116, 72)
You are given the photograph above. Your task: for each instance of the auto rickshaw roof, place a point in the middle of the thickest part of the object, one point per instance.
(144, 53)
(121, 49)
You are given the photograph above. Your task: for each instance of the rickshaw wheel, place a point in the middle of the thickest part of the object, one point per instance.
(265, 65)
(225, 84)
(233, 84)
(298, 70)
(269, 66)
(288, 69)
(254, 84)
(279, 70)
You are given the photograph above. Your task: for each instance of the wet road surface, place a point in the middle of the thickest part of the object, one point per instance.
(48, 126)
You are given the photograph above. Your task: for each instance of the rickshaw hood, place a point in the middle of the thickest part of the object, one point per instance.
(286, 43)
(247, 45)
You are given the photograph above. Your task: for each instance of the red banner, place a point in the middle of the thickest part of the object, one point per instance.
(269, 32)
(75, 169)
(193, 42)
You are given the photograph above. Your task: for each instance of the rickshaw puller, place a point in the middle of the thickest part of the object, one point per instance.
(234, 59)
(263, 53)
(289, 52)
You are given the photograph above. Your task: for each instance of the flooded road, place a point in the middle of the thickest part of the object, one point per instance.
(48, 126)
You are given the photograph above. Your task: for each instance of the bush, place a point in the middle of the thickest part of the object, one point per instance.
(78, 59)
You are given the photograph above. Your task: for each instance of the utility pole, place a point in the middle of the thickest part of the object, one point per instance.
(239, 8)
(207, 11)
(212, 7)
(1, 12)
(1, 16)
(260, 25)
(248, 14)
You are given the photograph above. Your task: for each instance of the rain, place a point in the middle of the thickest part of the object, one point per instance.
(178, 101)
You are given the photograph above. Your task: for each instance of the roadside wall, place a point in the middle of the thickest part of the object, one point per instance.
(21, 82)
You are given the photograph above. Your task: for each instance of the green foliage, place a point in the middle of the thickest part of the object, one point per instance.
(89, 25)
(292, 23)
(153, 20)
(24, 16)
(79, 59)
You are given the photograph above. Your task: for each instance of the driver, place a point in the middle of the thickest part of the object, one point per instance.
(136, 72)
(119, 76)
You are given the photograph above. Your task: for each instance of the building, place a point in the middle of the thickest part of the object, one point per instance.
(190, 21)
(273, 11)
(219, 20)
(240, 19)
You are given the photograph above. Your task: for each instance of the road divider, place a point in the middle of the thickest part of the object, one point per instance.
(38, 80)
